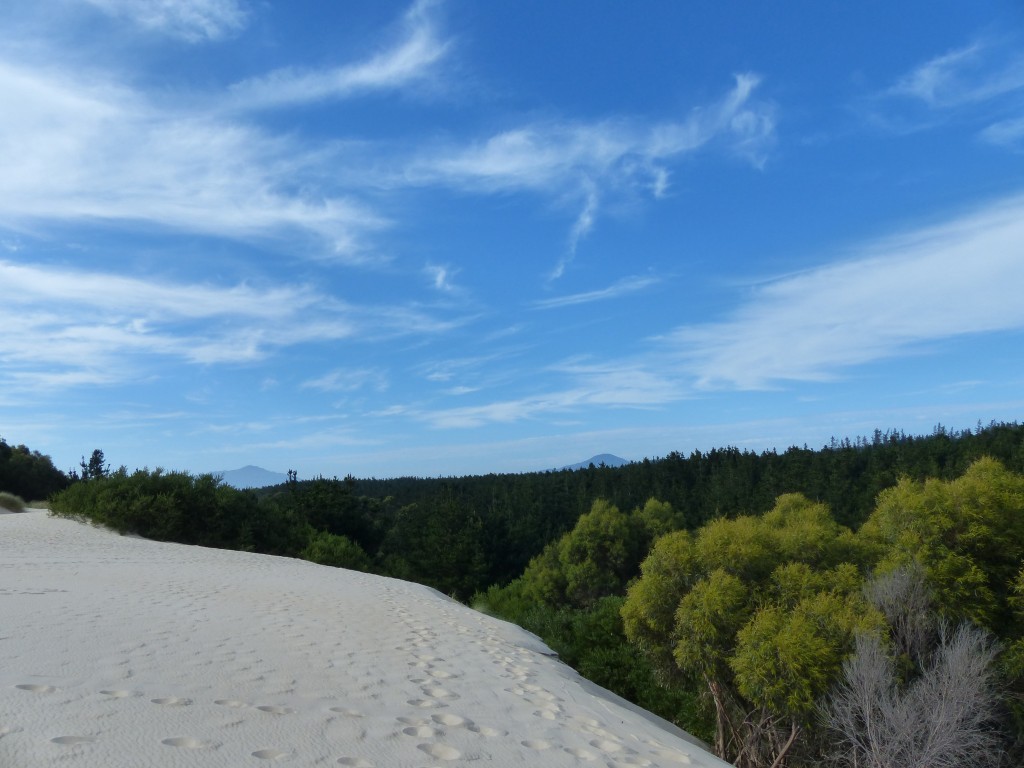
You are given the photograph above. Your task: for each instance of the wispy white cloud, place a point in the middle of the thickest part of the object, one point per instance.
(580, 229)
(236, 428)
(459, 391)
(441, 277)
(927, 285)
(37, 381)
(616, 384)
(383, 322)
(1005, 133)
(554, 156)
(580, 163)
(443, 371)
(317, 440)
(585, 221)
(620, 288)
(349, 380)
(908, 291)
(411, 60)
(84, 147)
(271, 424)
(190, 20)
(35, 285)
(981, 83)
(640, 383)
(66, 327)
(975, 73)
(390, 411)
(80, 148)
(104, 325)
(503, 333)
(501, 412)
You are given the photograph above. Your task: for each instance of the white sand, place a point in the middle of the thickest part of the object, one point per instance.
(117, 651)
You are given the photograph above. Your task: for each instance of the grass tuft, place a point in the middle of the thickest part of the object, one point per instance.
(11, 503)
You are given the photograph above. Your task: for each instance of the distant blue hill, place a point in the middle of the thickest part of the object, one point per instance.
(608, 459)
(251, 477)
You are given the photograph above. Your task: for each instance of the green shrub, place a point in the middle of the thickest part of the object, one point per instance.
(11, 503)
(592, 641)
(177, 506)
(28, 473)
(338, 551)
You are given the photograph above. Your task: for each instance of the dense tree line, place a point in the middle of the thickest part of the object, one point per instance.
(505, 520)
(524, 512)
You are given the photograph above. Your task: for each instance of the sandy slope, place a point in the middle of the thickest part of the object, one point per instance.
(118, 651)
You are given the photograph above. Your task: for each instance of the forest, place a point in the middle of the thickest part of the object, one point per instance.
(859, 604)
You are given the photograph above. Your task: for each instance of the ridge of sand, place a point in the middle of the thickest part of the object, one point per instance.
(118, 651)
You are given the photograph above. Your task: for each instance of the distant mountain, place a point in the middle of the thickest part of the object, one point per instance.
(608, 459)
(251, 477)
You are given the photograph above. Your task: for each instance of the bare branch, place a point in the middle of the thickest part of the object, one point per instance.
(943, 719)
(905, 599)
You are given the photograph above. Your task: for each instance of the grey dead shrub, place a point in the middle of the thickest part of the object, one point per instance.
(944, 717)
(905, 599)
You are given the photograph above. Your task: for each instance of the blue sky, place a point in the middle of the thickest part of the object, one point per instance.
(451, 237)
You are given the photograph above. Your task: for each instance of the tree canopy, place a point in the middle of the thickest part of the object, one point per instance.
(760, 612)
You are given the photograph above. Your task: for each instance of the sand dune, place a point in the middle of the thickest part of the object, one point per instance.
(118, 651)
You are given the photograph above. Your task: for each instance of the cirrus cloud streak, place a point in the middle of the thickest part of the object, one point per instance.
(75, 327)
(190, 20)
(411, 61)
(928, 285)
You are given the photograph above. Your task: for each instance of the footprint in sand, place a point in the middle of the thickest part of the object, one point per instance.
(643, 762)
(233, 703)
(73, 740)
(172, 701)
(412, 720)
(420, 731)
(537, 743)
(441, 751)
(426, 703)
(674, 757)
(355, 762)
(119, 694)
(186, 742)
(347, 712)
(452, 721)
(606, 745)
(270, 754)
(36, 688)
(437, 692)
(275, 710)
(582, 754)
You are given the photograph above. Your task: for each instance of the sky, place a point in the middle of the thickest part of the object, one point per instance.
(444, 237)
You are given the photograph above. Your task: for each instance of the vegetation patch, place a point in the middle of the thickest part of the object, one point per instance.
(858, 605)
(11, 503)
